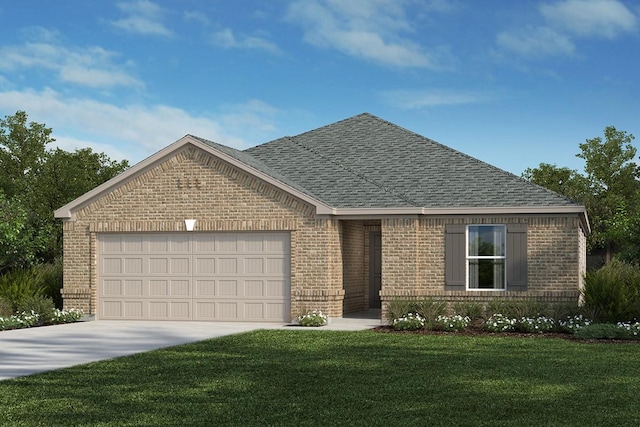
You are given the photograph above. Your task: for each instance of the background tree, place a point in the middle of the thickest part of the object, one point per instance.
(35, 181)
(609, 188)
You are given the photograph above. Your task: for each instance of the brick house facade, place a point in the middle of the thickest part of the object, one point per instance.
(269, 242)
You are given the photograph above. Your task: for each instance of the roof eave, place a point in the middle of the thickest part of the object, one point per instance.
(506, 210)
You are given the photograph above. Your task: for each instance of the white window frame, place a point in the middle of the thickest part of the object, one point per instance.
(468, 258)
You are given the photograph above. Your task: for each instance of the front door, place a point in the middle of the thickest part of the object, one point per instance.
(375, 268)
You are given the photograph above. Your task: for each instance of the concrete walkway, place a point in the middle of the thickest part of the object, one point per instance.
(33, 350)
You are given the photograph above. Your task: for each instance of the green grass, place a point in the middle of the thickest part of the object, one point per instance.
(326, 378)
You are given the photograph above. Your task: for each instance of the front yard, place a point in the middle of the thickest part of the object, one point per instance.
(326, 378)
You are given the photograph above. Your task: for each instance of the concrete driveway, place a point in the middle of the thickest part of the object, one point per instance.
(33, 350)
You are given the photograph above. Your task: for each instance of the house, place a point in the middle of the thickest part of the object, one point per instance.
(342, 219)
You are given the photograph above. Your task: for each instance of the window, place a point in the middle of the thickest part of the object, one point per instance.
(486, 256)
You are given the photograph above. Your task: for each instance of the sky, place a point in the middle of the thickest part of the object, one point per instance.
(512, 83)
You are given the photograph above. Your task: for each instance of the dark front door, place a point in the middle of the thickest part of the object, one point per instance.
(375, 268)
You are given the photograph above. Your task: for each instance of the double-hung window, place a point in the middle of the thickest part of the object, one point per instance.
(486, 256)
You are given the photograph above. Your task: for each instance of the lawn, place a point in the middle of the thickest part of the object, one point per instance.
(327, 378)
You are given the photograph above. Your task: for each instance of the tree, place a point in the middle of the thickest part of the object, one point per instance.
(610, 190)
(22, 153)
(36, 181)
(567, 182)
(19, 242)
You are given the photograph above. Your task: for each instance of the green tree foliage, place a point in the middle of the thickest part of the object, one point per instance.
(35, 181)
(20, 242)
(609, 188)
(567, 182)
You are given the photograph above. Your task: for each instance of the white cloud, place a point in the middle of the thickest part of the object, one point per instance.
(85, 66)
(369, 29)
(536, 41)
(566, 21)
(590, 18)
(134, 132)
(195, 16)
(416, 99)
(226, 39)
(142, 17)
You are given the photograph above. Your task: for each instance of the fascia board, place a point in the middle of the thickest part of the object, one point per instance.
(581, 211)
(68, 211)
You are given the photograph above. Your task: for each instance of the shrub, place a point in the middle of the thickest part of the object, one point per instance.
(409, 322)
(602, 331)
(632, 329)
(51, 279)
(65, 316)
(428, 309)
(452, 323)
(528, 307)
(6, 308)
(571, 324)
(40, 306)
(612, 293)
(313, 318)
(18, 285)
(500, 323)
(471, 309)
(537, 325)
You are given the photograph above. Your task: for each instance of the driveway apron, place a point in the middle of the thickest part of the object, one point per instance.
(33, 350)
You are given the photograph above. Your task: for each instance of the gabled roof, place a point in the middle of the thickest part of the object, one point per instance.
(365, 161)
(367, 166)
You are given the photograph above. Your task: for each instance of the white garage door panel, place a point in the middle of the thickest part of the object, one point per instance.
(194, 276)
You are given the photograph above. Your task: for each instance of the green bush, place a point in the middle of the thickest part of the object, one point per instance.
(470, 309)
(452, 323)
(409, 322)
(6, 308)
(18, 285)
(51, 277)
(528, 307)
(612, 293)
(313, 318)
(536, 325)
(41, 306)
(428, 309)
(500, 323)
(604, 331)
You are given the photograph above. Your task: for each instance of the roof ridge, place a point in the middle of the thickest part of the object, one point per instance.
(354, 172)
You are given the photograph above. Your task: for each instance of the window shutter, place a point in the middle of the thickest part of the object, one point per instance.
(455, 270)
(516, 257)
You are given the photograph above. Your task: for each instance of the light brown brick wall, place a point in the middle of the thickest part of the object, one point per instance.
(353, 259)
(555, 258)
(221, 197)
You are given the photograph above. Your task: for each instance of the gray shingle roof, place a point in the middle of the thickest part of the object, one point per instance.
(365, 161)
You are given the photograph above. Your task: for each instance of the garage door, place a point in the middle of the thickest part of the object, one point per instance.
(194, 276)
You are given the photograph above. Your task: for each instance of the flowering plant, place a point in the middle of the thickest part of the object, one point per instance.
(409, 322)
(452, 323)
(28, 319)
(573, 323)
(65, 316)
(631, 329)
(499, 323)
(313, 318)
(538, 324)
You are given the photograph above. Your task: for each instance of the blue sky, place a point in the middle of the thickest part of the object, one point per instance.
(513, 83)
